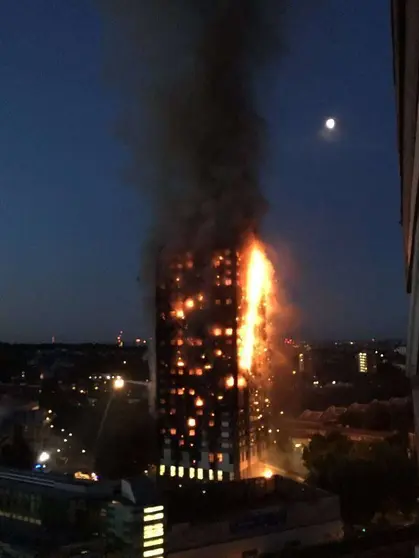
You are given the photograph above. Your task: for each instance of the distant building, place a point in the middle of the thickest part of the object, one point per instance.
(301, 363)
(362, 362)
(56, 515)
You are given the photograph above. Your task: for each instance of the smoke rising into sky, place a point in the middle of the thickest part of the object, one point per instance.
(185, 71)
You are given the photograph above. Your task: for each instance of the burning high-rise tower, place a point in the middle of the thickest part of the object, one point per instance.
(186, 69)
(212, 363)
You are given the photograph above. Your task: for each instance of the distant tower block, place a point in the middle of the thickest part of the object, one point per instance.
(119, 341)
(362, 362)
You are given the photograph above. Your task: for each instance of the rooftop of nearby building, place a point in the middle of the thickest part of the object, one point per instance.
(393, 543)
(59, 483)
(212, 501)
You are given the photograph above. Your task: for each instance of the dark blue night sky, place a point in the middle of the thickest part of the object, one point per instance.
(71, 231)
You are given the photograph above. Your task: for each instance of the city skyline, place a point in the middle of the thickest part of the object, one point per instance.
(71, 229)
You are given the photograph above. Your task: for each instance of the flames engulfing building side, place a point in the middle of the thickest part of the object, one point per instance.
(210, 407)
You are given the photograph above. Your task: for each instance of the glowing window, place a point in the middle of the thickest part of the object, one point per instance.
(173, 431)
(200, 474)
(189, 303)
(230, 382)
(191, 432)
(220, 475)
(172, 470)
(198, 372)
(191, 422)
(156, 553)
(153, 509)
(211, 457)
(191, 391)
(219, 457)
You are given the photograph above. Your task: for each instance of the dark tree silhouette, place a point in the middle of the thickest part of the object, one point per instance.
(370, 478)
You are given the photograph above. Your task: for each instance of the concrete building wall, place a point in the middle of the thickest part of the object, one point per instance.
(405, 30)
(305, 522)
(272, 542)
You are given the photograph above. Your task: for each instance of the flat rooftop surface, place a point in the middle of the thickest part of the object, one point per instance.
(393, 543)
(213, 501)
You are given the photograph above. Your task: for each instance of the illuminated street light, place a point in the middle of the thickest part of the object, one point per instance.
(43, 457)
(268, 474)
(118, 383)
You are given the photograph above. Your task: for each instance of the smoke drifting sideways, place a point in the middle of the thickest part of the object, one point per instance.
(185, 73)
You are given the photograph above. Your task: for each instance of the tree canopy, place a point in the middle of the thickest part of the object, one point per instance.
(370, 478)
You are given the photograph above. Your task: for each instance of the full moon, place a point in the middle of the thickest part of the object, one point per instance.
(330, 123)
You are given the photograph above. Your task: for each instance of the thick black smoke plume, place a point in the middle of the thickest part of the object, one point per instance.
(186, 70)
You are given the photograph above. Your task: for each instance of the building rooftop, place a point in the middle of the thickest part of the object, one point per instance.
(393, 543)
(211, 501)
(60, 483)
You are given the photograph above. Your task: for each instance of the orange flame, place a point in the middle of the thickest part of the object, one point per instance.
(256, 300)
